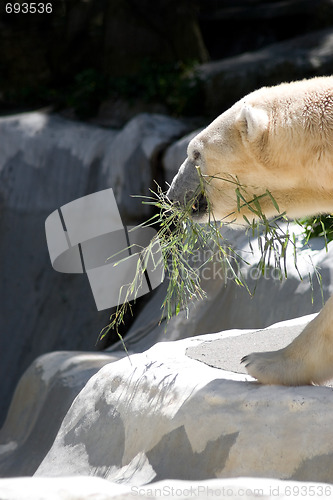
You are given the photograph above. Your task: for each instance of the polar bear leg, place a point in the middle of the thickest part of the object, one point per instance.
(307, 360)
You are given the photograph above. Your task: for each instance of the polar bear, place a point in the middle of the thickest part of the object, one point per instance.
(278, 139)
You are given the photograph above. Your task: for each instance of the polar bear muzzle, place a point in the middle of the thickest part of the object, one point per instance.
(185, 188)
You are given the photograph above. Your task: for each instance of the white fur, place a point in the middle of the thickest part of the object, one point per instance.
(255, 121)
(281, 139)
(307, 360)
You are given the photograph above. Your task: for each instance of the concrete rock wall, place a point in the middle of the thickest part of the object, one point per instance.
(45, 162)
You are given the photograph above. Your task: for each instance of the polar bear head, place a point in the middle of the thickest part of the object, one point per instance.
(276, 140)
(224, 156)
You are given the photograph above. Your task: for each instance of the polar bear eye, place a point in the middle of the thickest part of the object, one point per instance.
(196, 155)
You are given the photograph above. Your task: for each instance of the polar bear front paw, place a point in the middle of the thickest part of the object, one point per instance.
(279, 368)
(274, 368)
(307, 360)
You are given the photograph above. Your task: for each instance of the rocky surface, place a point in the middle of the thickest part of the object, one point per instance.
(180, 411)
(131, 162)
(43, 395)
(160, 401)
(45, 162)
(228, 306)
(168, 414)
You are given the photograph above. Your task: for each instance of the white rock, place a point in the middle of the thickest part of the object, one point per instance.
(45, 162)
(229, 306)
(163, 415)
(128, 162)
(66, 488)
(85, 488)
(41, 400)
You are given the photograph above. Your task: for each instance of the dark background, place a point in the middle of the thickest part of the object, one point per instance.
(90, 52)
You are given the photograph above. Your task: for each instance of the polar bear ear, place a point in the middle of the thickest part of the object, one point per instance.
(252, 121)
